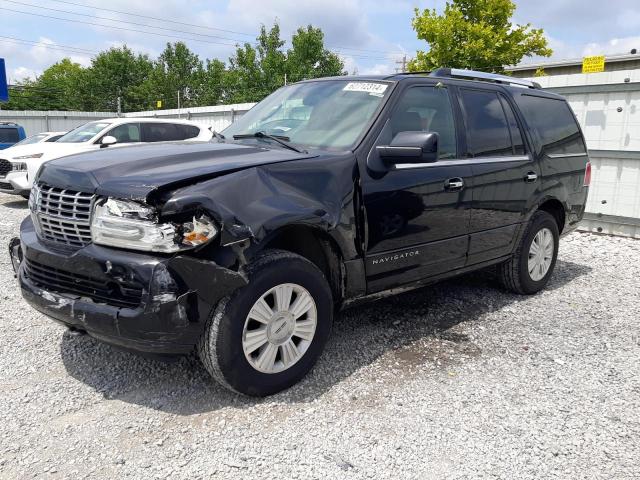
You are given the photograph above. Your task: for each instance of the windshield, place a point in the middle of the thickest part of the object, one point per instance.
(329, 114)
(83, 133)
(32, 139)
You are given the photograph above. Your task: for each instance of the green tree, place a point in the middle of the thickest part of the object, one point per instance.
(309, 58)
(475, 34)
(59, 87)
(256, 72)
(177, 69)
(213, 87)
(114, 73)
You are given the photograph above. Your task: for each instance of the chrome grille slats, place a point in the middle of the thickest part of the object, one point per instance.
(64, 215)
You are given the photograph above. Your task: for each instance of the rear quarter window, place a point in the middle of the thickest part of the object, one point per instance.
(188, 131)
(554, 124)
(9, 135)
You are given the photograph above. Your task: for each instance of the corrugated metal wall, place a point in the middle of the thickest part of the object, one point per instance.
(607, 106)
(35, 121)
(219, 117)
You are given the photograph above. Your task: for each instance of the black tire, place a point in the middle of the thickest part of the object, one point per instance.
(220, 347)
(514, 273)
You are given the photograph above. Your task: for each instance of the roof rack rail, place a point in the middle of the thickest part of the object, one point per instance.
(484, 76)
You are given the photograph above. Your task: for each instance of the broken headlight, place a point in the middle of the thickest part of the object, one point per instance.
(128, 224)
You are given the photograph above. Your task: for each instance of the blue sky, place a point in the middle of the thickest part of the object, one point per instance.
(370, 35)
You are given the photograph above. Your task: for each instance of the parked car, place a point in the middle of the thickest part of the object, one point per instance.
(10, 134)
(243, 249)
(40, 137)
(19, 165)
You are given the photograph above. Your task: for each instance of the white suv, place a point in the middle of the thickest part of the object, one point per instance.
(18, 165)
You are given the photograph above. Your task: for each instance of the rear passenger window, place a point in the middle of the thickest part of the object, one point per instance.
(161, 132)
(554, 123)
(427, 109)
(487, 128)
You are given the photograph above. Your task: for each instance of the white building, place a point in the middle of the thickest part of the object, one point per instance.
(607, 105)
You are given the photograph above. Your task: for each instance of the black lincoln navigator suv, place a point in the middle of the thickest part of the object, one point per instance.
(327, 192)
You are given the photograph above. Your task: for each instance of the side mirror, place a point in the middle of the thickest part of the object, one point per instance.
(108, 140)
(410, 147)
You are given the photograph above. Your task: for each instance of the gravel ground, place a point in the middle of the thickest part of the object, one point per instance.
(460, 380)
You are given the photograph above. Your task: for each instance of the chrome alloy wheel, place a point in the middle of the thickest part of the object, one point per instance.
(540, 254)
(279, 328)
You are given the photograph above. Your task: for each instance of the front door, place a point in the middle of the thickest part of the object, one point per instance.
(417, 214)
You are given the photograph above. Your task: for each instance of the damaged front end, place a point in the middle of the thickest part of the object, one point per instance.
(137, 300)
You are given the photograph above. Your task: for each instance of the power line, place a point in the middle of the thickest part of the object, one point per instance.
(118, 20)
(254, 35)
(116, 28)
(54, 46)
(175, 30)
(154, 18)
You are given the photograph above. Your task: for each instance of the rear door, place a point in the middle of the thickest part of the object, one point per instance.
(417, 214)
(505, 173)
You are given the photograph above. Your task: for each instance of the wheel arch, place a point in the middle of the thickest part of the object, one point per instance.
(315, 245)
(556, 209)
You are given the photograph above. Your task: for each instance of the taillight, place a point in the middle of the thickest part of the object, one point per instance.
(587, 174)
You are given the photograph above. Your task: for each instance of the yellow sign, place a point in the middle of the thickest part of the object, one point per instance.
(158, 103)
(593, 64)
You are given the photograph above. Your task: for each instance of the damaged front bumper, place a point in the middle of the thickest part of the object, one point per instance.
(155, 304)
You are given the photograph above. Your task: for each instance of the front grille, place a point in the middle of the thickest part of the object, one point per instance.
(127, 295)
(5, 167)
(6, 186)
(64, 215)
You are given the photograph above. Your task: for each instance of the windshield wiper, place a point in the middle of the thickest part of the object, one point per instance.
(281, 139)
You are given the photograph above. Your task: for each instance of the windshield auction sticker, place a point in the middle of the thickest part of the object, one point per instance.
(373, 88)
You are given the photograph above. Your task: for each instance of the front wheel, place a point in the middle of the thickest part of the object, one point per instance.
(269, 334)
(530, 268)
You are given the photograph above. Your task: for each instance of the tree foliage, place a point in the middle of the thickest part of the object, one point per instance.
(252, 73)
(475, 34)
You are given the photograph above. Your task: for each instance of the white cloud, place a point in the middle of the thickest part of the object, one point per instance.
(612, 46)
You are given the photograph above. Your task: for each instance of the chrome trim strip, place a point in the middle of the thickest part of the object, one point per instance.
(461, 161)
(563, 155)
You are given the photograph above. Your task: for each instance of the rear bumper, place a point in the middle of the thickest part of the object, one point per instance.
(178, 293)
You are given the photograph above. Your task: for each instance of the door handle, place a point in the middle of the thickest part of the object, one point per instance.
(454, 184)
(530, 177)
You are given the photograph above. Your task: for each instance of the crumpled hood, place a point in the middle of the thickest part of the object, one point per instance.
(134, 172)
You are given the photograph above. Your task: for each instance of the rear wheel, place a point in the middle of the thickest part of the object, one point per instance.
(532, 264)
(269, 334)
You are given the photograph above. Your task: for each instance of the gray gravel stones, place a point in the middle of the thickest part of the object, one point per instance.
(459, 380)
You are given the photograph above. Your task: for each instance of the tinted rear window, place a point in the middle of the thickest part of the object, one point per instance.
(9, 135)
(161, 132)
(554, 124)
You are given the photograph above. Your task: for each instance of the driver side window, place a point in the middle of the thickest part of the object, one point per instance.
(427, 109)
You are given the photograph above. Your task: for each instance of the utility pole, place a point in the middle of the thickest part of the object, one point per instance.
(402, 62)
(119, 106)
(178, 103)
(285, 79)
